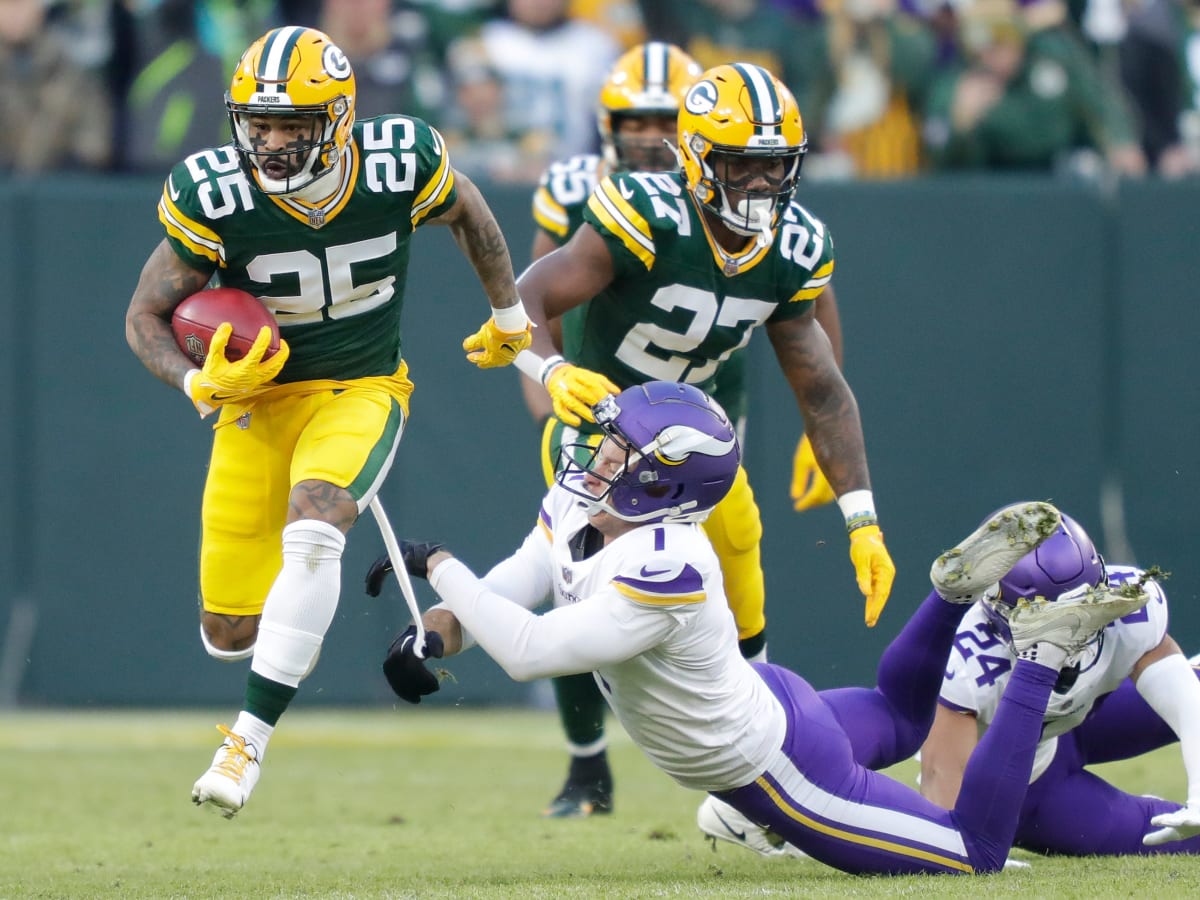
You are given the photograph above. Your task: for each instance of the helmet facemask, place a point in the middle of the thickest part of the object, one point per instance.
(747, 189)
(741, 143)
(291, 109)
(311, 153)
(676, 455)
(645, 85)
(644, 148)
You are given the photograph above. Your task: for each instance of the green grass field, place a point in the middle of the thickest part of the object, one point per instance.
(421, 803)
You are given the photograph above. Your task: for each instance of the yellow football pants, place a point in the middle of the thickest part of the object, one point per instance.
(345, 433)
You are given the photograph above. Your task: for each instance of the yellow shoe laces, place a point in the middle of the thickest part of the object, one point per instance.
(233, 764)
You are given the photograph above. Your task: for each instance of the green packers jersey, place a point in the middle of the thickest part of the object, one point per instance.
(558, 204)
(679, 306)
(332, 273)
(562, 194)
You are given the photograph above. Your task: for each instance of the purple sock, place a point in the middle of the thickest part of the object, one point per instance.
(997, 774)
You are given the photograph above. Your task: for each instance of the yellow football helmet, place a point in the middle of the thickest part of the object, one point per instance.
(741, 144)
(301, 74)
(650, 79)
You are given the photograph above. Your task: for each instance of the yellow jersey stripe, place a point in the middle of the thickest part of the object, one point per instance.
(658, 599)
(792, 813)
(549, 214)
(623, 221)
(437, 188)
(200, 240)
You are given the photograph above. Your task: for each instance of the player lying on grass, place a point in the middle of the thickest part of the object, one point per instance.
(618, 538)
(1128, 691)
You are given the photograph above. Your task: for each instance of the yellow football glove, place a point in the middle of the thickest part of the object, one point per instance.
(221, 380)
(574, 391)
(810, 487)
(490, 348)
(873, 568)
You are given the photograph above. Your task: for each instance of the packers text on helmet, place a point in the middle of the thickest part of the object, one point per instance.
(291, 107)
(741, 143)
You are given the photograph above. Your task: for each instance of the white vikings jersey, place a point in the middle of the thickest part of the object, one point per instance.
(647, 614)
(981, 663)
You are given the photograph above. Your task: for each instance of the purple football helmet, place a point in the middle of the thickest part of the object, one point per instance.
(681, 454)
(1063, 562)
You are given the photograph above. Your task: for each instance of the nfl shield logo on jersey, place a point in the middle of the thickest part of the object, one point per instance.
(566, 574)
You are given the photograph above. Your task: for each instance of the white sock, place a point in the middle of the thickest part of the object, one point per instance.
(253, 731)
(1045, 654)
(301, 603)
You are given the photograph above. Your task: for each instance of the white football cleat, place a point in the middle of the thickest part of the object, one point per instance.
(969, 570)
(1071, 621)
(721, 822)
(231, 777)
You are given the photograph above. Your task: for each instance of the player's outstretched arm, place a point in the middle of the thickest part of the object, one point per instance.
(478, 236)
(573, 274)
(165, 282)
(832, 423)
(810, 488)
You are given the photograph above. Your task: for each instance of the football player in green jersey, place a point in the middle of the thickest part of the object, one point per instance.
(314, 214)
(678, 268)
(637, 113)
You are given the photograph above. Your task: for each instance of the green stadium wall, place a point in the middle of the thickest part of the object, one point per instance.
(1006, 339)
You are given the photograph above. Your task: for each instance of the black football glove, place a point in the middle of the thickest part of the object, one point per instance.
(405, 671)
(416, 561)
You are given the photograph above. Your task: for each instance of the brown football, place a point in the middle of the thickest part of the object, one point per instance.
(197, 317)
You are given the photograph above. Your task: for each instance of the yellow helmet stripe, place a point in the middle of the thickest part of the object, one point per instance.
(276, 58)
(624, 221)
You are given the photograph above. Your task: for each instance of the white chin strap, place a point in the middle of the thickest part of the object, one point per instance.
(750, 217)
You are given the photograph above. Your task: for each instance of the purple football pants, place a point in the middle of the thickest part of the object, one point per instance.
(1073, 811)
(817, 794)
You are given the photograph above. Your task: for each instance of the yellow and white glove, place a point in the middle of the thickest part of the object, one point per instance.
(874, 569)
(221, 380)
(498, 342)
(810, 487)
(574, 391)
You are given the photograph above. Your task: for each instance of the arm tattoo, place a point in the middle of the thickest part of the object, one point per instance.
(479, 237)
(164, 283)
(830, 411)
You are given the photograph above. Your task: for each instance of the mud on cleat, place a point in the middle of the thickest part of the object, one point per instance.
(1072, 620)
(968, 571)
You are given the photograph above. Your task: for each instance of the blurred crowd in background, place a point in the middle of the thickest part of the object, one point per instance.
(887, 88)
